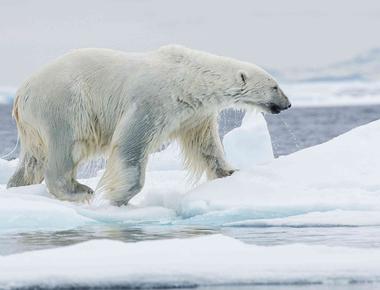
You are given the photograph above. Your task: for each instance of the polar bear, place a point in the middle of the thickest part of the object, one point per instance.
(124, 106)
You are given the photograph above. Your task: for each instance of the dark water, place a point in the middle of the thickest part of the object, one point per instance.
(312, 126)
(359, 237)
(8, 132)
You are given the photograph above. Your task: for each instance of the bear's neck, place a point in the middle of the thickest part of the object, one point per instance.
(206, 80)
(203, 79)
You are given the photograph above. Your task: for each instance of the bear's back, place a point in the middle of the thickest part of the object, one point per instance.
(87, 72)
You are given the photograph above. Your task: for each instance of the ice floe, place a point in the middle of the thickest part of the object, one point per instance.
(333, 184)
(209, 260)
(250, 144)
(333, 218)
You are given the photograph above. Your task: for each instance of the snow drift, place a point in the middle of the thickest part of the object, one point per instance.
(340, 174)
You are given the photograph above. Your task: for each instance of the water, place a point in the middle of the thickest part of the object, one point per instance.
(296, 129)
(362, 237)
(291, 133)
(312, 126)
(8, 131)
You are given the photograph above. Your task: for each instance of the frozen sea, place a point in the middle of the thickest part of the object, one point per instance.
(340, 222)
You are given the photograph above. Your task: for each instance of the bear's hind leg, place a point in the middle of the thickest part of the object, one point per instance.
(61, 172)
(30, 171)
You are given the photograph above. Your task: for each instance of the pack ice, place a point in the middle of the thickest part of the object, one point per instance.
(332, 184)
(212, 260)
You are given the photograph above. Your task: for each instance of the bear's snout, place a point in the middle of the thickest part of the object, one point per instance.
(282, 104)
(276, 109)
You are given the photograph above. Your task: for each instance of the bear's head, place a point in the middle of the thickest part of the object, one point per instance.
(256, 88)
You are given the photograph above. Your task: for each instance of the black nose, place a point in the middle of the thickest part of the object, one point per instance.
(276, 109)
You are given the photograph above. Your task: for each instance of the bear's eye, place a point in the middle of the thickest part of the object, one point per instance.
(275, 88)
(243, 78)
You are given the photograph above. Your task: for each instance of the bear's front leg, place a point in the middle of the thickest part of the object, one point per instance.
(124, 176)
(216, 165)
(204, 150)
(221, 172)
(121, 180)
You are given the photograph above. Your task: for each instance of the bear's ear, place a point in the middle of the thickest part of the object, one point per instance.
(242, 77)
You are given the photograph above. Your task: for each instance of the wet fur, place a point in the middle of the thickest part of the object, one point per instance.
(124, 106)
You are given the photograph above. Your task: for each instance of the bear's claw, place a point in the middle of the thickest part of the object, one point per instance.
(224, 172)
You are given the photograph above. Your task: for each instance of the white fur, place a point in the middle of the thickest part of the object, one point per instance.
(125, 105)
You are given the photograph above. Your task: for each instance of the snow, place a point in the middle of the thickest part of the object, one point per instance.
(210, 260)
(168, 159)
(6, 170)
(340, 174)
(333, 218)
(23, 212)
(254, 148)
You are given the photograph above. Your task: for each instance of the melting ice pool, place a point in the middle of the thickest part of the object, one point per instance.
(346, 236)
(310, 220)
